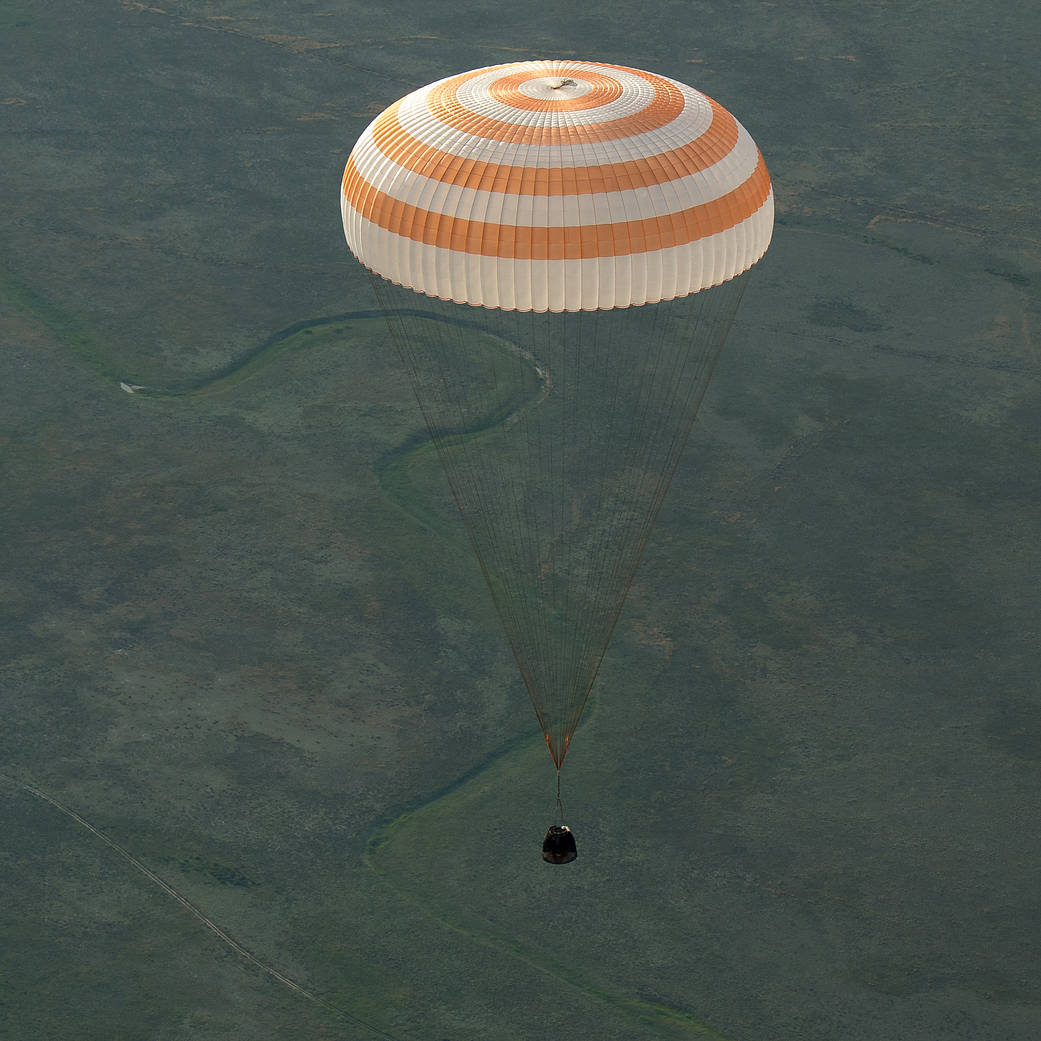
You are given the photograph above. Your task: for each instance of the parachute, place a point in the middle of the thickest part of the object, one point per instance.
(560, 248)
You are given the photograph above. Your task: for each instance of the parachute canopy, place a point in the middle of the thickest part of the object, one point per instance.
(559, 186)
(552, 197)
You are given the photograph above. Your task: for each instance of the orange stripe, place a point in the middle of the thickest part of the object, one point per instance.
(584, 242)
(507, 91)
(445, 107)
(398, 145)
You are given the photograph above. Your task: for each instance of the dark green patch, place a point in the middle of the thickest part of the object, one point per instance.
(224, 874)
(842, 314)
(904, 251)
(63, 325)
(1014, 725)
(1017, 278)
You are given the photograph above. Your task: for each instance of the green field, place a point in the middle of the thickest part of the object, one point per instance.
(268, 769)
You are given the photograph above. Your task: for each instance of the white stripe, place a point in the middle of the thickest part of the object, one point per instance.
(567, 211)
(690, 124)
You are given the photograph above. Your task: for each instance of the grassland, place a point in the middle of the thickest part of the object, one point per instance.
(806, 791)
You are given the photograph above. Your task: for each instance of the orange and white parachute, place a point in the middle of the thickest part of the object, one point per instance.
(557, 186)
